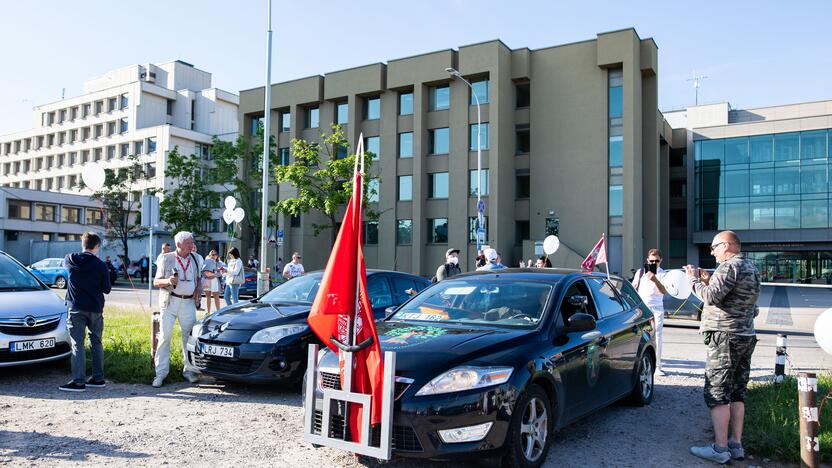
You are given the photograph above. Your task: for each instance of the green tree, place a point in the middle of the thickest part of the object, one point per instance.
(188, 204)
(119, 203)
(322, 186)
(238, 170)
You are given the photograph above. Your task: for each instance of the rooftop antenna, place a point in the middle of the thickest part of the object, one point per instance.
(697, 82)
(63, 93)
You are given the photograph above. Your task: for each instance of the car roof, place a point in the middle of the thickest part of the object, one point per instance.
(537, 274)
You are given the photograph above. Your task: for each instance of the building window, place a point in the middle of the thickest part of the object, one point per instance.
(406, 145)
(256, 124)
(94, 217)
(438, 185)
(373, 145)
(523, 184)
(111, 152)
(138, 147)
(523, 139)
(483, 140)
(341, 152)
(404, 231)
(85, 156)
(169, 107)
(312, 117)
(50, 140)
(96, 154)
(480, 89)
(616, 151)
(111, 128)
(59, 183)
(373, 190)
(123, 126)
(342, 113)
(86, 109)
(151, 146)
(73, 135)
(438, 231)
(99, 107)
(124, 101)
(71, 215)
(71, 183)
(521, 232)
(440, 98)
(111, 104)
(406, 103)
(371, 232)
(372, 108)
(284, 156)
(813, 145)
(786, 146)
(523, 91)
(616, 200)
(125, 150)
(19, 209)
(285, 121)
(439, 140)
(472, 183)
(405, 188)
(294, 221)
(99, 130)
(150, 170)
(85, 133)
(472, 228)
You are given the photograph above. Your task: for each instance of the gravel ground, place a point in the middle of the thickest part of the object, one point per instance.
(201, 425)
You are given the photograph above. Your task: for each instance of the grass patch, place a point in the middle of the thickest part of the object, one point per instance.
(126, 343)
(772, 427)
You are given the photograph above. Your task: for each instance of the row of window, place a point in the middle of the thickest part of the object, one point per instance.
(115, 127)
(763, 150)
(439, 183)
(785, 214)
(20, 209)
(437, 231)
(615, 126)
(103, 153)
(72, 181)
(94, 108)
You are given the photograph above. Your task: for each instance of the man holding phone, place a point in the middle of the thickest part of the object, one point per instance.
(652, 292)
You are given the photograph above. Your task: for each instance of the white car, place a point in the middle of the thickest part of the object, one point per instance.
(33, 319)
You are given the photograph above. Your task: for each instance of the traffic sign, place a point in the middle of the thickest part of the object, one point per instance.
(280, 233)
(481, 206)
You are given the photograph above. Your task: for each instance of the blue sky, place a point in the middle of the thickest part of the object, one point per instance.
(754, 53)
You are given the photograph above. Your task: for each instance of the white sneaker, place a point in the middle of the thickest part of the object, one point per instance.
(708, 452)
(158, 381)
(191, 377)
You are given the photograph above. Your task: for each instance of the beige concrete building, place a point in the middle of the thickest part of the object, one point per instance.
(570, 140)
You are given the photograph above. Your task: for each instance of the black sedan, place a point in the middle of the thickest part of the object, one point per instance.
(264, 340)
(492, 363)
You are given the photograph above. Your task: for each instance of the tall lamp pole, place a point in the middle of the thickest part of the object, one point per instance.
(262, 275)
(480, 203)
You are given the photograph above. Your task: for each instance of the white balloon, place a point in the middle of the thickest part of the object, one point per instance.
(230, 202)
(239, 214)
(551, 244)
(677, 284)
(228, 216)
(93, 176)
(823, 330)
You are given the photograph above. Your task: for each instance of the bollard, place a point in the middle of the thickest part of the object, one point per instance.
(155, 322)
(807, 387)
(780, 358)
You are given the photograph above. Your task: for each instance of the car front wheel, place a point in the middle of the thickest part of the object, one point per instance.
(60, 282)
(530, 432)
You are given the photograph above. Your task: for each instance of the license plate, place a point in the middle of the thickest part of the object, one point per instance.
(214, 350)
(32, 345)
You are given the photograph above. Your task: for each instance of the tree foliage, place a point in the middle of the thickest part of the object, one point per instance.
(188, 204)
(324, 184)
(121, 209)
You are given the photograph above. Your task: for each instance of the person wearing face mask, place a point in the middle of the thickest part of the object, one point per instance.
(450, 267)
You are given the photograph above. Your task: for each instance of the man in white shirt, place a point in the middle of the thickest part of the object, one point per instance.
(178, 276)
(652, 292)
(294, 268)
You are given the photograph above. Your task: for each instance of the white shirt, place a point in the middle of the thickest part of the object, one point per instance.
(294, 269)
(649, 292)
(188, 270)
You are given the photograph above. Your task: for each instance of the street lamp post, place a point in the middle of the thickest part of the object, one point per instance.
(262, 275)
(480, 204)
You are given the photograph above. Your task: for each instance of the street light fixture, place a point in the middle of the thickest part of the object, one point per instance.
(480, 205)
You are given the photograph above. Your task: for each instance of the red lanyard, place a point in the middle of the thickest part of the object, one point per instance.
(184, 267)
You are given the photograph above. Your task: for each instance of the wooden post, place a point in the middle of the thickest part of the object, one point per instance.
(807, 387)
(780, 358)
(155, 323)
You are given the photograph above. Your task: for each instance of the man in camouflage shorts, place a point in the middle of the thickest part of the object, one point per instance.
(730, 305)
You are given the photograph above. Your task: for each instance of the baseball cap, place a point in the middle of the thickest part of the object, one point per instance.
(490, 255)
(450, 251)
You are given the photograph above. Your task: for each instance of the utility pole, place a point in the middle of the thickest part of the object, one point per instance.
(697, 83)
(262, 275)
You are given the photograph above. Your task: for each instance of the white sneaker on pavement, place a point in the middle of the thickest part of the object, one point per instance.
(158, 381)
(708, 452)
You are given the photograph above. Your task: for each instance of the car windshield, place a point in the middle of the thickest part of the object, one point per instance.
(14, 277)
(300, 289)
(475, 301)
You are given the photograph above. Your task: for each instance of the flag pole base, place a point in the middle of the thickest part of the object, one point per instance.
(353, 348)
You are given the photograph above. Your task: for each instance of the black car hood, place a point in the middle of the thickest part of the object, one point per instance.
(425, 347)
(259, 315)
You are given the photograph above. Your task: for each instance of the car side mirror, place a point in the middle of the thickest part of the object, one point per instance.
(580, 322)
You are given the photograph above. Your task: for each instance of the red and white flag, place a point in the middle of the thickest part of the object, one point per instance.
(342, 297)
(596, 256)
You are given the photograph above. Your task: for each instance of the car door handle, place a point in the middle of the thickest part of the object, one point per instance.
(591, 335)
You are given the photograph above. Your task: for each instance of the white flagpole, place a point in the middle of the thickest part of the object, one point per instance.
(359, 155)
(606, 254)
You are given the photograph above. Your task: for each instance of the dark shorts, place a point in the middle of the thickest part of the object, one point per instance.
(727, 367)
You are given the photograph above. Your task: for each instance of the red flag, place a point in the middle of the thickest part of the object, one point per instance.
(343, 289)
(597, 255)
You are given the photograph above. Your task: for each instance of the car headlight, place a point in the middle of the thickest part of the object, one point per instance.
(196, 330)
(466, 378)
(274, 334)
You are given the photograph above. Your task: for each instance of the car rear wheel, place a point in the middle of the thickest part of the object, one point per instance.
(530, 432)
(60, 282)
(643, 390)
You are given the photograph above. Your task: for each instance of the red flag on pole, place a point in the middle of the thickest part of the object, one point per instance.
(342, 298)
(597, 255)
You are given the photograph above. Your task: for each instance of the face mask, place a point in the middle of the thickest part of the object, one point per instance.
(453, 260)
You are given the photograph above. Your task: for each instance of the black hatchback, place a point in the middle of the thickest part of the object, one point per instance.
(264, 340)
(491, 363)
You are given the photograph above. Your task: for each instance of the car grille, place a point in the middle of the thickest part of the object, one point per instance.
(224, 365)
(18, 326)
(330, 380)
(404, 437)
(8, 356)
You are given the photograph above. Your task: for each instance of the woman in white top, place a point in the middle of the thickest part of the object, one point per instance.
(234, 277)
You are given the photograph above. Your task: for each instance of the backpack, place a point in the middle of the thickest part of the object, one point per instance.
(435, 279)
